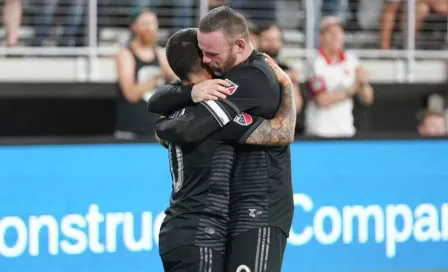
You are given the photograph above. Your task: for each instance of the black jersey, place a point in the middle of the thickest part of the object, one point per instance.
(198, 211)
(260, 187)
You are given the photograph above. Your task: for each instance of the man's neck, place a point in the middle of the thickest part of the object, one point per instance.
(245, 55)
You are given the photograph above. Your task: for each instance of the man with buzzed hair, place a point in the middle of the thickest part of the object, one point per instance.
(261, 199)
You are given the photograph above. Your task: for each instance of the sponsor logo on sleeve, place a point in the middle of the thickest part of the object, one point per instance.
(243, 119)
(232, 86)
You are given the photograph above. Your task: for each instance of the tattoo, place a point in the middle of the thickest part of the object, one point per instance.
(279, 130)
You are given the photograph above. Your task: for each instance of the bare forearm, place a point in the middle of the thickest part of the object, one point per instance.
(12, 14)
(136, 92)
(141, 89)
(387, 24)
(279, 130)
(325, 99)
(366, 94)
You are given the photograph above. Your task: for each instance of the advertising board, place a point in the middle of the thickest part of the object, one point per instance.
(359, 206)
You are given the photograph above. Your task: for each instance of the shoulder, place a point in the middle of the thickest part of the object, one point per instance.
(159, 50)
(124, 52)
(255, 65)
(351, 58)
(317, 59)
(254, 78)
(316, 64)
(160, 53)
(350, 55)
(247, 73)
(247, 69)
(125, 58)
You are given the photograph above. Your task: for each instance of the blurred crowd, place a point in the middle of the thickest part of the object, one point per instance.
(387, 17)
(334, 79)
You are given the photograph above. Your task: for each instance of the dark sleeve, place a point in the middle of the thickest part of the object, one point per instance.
(195, 123)
(252, 91)
(240, 128)
(170, 98)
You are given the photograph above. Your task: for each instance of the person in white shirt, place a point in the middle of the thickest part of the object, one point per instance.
(335, 77)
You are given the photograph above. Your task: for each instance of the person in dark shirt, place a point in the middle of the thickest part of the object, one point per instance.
(270, 41)
(261, 199)
(139, 65)
(193, 236)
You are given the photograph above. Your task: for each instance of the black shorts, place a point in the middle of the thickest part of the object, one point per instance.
(257, 250)
(193, 259)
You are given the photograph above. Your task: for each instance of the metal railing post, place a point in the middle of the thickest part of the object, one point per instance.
(310, 23)
(93, 30)
(410, 40)
(203, 8)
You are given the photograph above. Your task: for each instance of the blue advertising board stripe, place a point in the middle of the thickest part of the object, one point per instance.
(360, 206)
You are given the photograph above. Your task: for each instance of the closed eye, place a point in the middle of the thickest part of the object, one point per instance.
(210, 54)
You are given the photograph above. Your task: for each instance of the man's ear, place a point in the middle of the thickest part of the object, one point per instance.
(241, 44)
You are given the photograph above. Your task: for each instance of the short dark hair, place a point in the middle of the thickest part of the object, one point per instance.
(225, 19)
(183, 54)
(266, 26)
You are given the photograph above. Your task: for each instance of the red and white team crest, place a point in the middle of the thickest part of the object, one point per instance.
(232, 86)
(243, 119)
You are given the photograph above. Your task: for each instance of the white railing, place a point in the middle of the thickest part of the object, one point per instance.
(93, 50)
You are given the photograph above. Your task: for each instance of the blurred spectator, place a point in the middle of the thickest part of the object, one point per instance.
(183, 14)
(270, 42)
(430, 123)
(336, 76)
(141, 3)
(332, 8)
(325, 8)
(256, 10)
(72, 33)
(390, 10)
(216, 3)
(12, 17)
(366, 15)
(438, 6)
(139, 67)
(253, 32)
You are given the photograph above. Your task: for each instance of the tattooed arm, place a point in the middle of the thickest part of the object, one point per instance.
(279, 130)
(197, 122)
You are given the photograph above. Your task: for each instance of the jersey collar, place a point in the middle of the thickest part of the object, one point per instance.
(329, 61)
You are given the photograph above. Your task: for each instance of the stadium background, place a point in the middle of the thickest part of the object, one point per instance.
(74, 199)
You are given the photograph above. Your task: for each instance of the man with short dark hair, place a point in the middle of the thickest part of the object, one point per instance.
(193, 235)
(270, 41)
(183, 54)
(261, 203)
